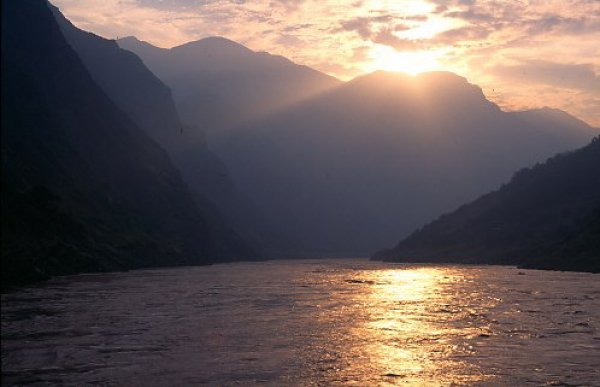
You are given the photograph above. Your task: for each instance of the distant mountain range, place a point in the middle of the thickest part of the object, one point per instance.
(83, 188)
(368, 162)
(347, 167)
(546, 217)
(218, 83)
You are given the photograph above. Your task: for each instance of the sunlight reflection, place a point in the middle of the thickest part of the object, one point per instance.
(411, 327)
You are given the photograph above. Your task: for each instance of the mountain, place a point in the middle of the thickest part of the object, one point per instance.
(83, 188)
(546, 217)
(218, 83)
(355, 167)
(126, 80)
(148, 102)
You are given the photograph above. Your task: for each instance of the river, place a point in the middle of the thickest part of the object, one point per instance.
(345, 322)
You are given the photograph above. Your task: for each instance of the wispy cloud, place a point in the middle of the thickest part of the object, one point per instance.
(580, 77)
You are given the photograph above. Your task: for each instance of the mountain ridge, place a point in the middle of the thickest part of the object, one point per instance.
(148, 101)
(84, 189)
(336, 168)
(545, 217)
(447, 126)
(218, 83)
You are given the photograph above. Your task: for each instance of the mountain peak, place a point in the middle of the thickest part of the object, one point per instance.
(132, 43)
(214, 43)
(130, 39)
(442, 85)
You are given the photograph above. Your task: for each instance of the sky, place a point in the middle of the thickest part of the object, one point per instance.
(523, 53)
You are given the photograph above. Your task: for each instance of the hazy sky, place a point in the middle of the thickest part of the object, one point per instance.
(524, 53)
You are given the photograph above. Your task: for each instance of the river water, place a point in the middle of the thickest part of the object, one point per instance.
(307, 323)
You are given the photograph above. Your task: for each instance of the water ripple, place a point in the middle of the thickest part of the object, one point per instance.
(309, 323)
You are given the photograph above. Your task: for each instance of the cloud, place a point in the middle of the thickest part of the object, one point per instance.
(381, 29)
(290, 40)
(563, 75)
(420, 18)
(471, 16)
(443, 5)
(360, 54)
(169, 5)
(564, 25)
(289, 5)
(461, 34)
(386, 37)
(363, 26)
(297, 27)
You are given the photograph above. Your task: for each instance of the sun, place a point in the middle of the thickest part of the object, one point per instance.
(410, 62)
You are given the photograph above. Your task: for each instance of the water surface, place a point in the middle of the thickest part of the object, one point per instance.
(332, 322)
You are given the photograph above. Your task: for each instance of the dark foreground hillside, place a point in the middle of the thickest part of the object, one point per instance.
(148, 102)
(547, 217)
(83, 189)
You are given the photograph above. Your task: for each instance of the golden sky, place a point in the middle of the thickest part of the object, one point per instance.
(523, 53)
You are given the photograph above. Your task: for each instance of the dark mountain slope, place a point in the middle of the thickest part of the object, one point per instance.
(126, 80)
(83, 189)
(142, 96)
(218, 83)
(546, 217)
(344, 172)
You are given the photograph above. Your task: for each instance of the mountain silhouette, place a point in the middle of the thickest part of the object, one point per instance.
(126, 80)
(83, 188)
(381, 155)
(218, 83)
(148, 102)
(352, 165)
(326, 167)
(546, 217)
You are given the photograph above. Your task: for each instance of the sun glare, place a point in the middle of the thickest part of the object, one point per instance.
(411, 62)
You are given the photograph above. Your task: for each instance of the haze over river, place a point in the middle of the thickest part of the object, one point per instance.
(329, 322)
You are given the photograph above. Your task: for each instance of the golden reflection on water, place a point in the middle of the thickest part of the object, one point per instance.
(418, 325)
